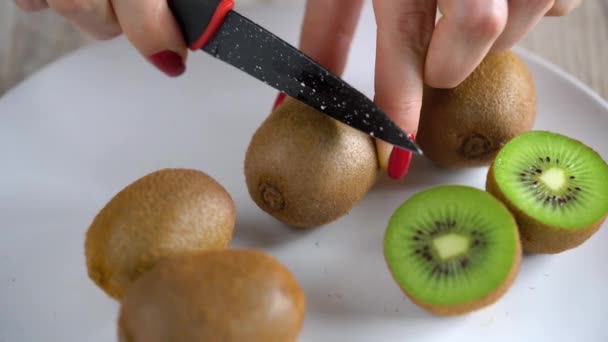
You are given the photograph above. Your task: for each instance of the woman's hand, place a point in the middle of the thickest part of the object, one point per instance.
(412, 49)
(148, 24)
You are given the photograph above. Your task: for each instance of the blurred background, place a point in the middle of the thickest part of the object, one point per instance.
(577, 43)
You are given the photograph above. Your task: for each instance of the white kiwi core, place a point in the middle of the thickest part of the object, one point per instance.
(450, 245)
(554, 178)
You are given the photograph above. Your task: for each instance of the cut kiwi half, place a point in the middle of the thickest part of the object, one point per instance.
(556, 187)
(453, 249)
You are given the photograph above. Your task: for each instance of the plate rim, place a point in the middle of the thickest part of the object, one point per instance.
(562, 73)
(525, 53)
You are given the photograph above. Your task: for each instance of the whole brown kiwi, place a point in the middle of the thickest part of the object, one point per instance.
(222, 295)
(165, 213)
(466, 126)
(306, 169)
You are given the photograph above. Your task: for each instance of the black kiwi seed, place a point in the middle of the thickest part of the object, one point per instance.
(423, 236)
(541, 193)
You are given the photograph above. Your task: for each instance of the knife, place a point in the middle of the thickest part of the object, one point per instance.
(214, 27)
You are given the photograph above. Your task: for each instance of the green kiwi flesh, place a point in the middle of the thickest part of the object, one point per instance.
(556, 186)
(452, 249)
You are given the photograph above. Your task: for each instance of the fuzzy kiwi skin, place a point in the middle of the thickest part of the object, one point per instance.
(164, 213)
(306, 169)
(536, 237)
(487, 300)
(465, 126)
(221, 295)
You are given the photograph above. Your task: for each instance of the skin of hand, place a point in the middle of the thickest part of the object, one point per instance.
(410, 42)
(411, 46)
(148, 24)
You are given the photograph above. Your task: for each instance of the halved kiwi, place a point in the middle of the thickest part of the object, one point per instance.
(453, 249)
(556, 186)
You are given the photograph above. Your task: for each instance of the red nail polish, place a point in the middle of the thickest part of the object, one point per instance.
(280, 98)
(168, 62)
(399, 162)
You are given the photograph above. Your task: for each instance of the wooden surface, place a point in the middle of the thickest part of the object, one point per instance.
(577, 43)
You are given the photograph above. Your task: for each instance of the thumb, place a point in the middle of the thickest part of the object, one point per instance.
(404, 32)
(151, 28)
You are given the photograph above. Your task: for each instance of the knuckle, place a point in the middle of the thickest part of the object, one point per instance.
(544, 5)
(532, 6)
(563, 7)
(29, 5)
(25, 6)
(485, 19)
(559, 11)
(106, 35)
(409, 25)
(416, 24)
(401, 108)
(440, 81)
(70, 7)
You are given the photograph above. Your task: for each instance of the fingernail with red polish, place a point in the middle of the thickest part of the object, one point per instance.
(280, 98)
(168, 62)
(399, 162)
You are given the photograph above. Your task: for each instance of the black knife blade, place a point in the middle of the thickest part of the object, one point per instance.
(212, 25)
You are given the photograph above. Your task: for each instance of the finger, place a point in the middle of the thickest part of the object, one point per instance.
(563, 7)
(403, 35)
(96, 17)
(151, 28)
(327, 31)
(462, 38)
(31, 5)
(523, 16)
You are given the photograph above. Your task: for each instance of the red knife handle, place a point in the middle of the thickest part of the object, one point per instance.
(199, 20)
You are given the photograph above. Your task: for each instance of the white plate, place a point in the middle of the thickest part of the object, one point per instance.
(81, 129)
